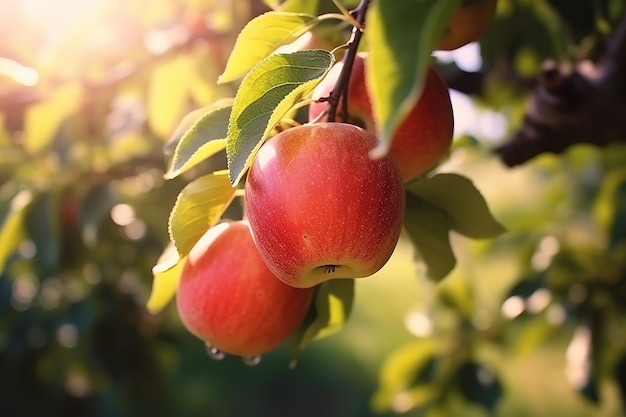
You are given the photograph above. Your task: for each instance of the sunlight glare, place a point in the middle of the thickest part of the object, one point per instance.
(56, 17)
(19, 73)
(467, 58)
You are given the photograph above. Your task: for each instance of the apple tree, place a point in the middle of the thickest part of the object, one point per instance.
(137, 137)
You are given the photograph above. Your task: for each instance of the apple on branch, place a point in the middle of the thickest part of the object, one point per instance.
(425, 135)
(319, 208)
(468, 24)
(231, 300)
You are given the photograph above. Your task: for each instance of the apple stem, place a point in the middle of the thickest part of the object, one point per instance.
(341, 88)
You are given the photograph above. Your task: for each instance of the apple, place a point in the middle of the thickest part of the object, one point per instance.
(421, 140)
(468, 24)
(231, 300)
(319, 208)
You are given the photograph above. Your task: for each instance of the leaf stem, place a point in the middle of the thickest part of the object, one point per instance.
(341, 87)
(338, 16)
(349, 17)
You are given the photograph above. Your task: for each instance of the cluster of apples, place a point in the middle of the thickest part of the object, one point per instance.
(317, 207)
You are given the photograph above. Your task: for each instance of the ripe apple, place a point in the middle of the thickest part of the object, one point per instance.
(421, 140)
(468, 24)
(231, 300)
(320, 208)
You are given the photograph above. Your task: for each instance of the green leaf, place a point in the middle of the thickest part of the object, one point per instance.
(407, 370)
(439, 204)
(43, 120)
(315, 7)
(459, 198)
(609, 207)
(93, 208)
(42, 227)
(199, 206)
(330, 311)
(400, 36)
(262, 36)
(12, 231)
(166, 275)
(272, 4)
(533, 334)
(301, 6)
(266, 94)
(429, 229)
(201, 134)
(479, 385)
(168, 93)
(127, 146)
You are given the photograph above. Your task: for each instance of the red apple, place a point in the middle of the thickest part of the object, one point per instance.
(468, 24)
(425, 135)
(320, 208)
(231, 300)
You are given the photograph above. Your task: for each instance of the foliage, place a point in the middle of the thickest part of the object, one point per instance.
(114, 161)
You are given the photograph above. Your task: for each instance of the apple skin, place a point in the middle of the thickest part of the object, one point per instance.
(424, 136)
(319, 208)
(231, 300)
(468, 24)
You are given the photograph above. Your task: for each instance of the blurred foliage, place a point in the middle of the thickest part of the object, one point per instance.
(530, 323)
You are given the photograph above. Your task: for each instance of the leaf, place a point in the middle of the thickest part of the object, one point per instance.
(126, 146)
(400, 37)
(42, 227)
(609, 208)
(528, 285)
(201, 134)
(93, 208)
(619, 373)
(301, 6)
(330, 311)
(166, 275)
(272, 4)
(266, 94)
(199, 206)
(534, 333)
(262, 36)
(43, 119)
(408, 370)
(479, 385)
(429, 229)
(439, 204)
(168, 94)
(12, 231)
(461, 201)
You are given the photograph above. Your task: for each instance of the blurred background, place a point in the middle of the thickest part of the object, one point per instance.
(530, 323)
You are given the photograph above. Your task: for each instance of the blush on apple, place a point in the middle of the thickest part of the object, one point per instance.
(231, 300)
(425, 135)
(319, 208)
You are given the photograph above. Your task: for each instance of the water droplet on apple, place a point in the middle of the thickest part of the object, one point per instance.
(215, 353)
(251, 360)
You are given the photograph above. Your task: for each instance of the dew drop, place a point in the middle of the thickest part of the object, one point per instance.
(251, 360)
(215, 353)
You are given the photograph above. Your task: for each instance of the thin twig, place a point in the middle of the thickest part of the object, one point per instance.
(341, 87)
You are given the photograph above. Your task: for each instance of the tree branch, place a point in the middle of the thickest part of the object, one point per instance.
(585, 103)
